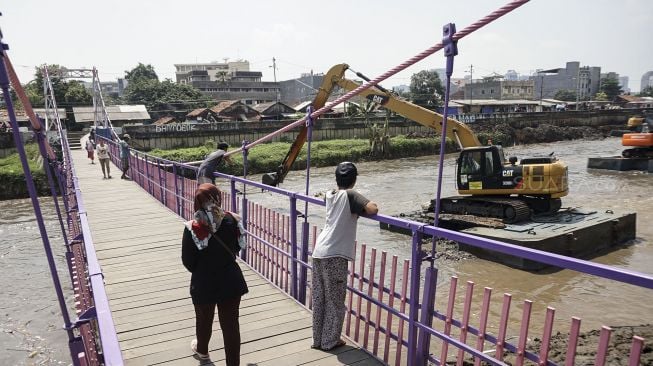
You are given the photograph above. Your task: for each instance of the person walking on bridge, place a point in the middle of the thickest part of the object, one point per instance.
(90, 150)
(210, 164)
(209, 248)
(335, 246)
(124, 155)
(103, 157)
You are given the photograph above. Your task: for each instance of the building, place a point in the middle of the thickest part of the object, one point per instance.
(216, 71)
(274, 111)
(119, 115)
(301, 89)
(113, 89)
(584, 81)
(623, 83)
(631, 101)
(496, 87)
(647, 80)
(228, 81)
(201, 115)
(235, 110)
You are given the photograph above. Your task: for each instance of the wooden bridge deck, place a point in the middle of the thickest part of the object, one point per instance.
(138, 242)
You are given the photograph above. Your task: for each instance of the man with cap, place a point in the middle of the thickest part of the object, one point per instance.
(210, 164)
(124, 155)
(335, 246)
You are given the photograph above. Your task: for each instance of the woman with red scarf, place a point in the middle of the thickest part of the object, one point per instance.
(209, 248)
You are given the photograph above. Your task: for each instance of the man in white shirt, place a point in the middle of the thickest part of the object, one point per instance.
(335, 246)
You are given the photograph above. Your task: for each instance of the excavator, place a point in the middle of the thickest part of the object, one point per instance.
(488, 184)
(641, 140)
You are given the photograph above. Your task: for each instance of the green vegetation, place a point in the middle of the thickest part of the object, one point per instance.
(426, 89)
(12, 177)
(267, 157)
(161, 98)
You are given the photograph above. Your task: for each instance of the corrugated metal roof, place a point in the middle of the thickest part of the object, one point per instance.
(225, 104)
(116, 113)
(263, 107)
(21, 116)
(165, 120)
(196, 112)
(302, 106)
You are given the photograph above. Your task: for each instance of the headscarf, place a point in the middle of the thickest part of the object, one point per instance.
(208, 214)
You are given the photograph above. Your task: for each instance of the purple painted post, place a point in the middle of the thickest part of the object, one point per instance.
(416, 261)
(177, 193)
(293, 246)
(428, 304)
(162, 183)
(4, 85)
(233, 193)
(303, 254)
(450, 50)
(309, 139)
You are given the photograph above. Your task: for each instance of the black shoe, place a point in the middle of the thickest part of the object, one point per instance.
(109, 177)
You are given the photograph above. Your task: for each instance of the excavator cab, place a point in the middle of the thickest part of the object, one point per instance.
(480, 168)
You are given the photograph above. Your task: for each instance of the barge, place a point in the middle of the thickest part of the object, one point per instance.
(574, 232)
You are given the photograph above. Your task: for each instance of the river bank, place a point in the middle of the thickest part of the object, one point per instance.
(12, 176)
(267, 157)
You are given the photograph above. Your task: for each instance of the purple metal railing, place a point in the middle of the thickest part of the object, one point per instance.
(379, 315)
(91, 337)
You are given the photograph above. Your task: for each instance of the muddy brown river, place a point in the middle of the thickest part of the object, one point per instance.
(30, 320)
(402, 185)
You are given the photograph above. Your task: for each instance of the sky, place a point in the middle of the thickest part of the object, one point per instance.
(372, 36)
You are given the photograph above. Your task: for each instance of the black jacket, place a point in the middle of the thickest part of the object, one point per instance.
(215, 274)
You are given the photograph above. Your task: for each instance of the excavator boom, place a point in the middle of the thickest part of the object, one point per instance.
(456, 131)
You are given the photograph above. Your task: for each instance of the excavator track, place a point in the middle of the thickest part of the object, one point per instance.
(506, 209)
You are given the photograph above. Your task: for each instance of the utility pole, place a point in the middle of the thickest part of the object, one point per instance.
(471, 87)
(274, 72)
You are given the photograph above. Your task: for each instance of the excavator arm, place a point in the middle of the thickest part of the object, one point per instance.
(456, 130)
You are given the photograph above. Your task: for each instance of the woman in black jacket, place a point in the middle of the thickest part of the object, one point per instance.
(209, 248)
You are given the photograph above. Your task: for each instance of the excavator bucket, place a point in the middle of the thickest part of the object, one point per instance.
(271, 179)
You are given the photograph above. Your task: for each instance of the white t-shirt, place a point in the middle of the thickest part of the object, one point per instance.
(103, 152)
(338, 238)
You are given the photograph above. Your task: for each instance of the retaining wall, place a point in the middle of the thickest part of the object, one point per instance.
(189, 135)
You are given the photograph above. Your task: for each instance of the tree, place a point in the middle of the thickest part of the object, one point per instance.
(566, 95)
(34, 88)
(77, 94)
(646, 92)
(601, 96)
(141, 72)
(426, 89)
(161, 98)
(610, 86)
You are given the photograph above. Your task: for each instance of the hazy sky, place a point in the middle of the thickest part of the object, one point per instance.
(371, 36)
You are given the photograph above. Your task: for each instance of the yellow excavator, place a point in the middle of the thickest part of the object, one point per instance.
(488, 184)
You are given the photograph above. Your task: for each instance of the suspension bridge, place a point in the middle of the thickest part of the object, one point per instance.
(132, 305)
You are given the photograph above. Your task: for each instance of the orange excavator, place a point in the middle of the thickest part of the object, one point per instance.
(642, 140)
(488, 184)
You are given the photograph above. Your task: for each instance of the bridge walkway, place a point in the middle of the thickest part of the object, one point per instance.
(138, 244)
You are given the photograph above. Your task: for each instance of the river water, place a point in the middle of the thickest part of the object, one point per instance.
(30, 319)
(402, 185)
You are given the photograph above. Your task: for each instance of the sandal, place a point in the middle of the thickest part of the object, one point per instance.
(201, 356)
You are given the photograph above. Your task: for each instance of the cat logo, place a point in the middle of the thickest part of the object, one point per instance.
(378, 99)
(508, 173)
